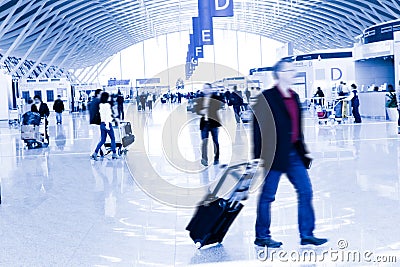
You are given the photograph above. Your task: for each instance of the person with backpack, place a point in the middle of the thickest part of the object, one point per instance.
(58, 108)
(106, 128)
(208, 105)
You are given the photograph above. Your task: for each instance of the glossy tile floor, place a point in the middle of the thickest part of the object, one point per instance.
(61, 209)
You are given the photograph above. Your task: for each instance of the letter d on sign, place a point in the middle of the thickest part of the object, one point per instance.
(336, 74)
(222, 8)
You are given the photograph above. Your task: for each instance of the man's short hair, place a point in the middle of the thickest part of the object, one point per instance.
(279, 66)
(97, 92)
(37, 97)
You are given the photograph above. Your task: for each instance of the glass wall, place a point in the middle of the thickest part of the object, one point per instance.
(165, 56)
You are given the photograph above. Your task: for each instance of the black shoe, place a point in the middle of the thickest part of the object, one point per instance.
(204, 162)
(216, 162)
(267, 243)
(312, 240)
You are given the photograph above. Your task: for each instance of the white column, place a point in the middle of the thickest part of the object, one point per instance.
(396, 50)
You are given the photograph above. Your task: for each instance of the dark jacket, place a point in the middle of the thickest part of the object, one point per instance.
(94, 111)
(235, 99)
(120, 100)
(58, 106)
(355, 101)
(213, 116)
(272, 129)
(43, 110)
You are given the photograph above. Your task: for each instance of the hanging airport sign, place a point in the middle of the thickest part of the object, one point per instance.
(192, 58)
(222, 8)
(206, 22)
(198, 44)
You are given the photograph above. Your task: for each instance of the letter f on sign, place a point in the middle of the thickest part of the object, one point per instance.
(199, 50)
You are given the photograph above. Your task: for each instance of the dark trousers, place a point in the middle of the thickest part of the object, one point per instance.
(398, 122)
(121, 113)
(298, 176)
(237, 110)
(103, 138)
(204, 137)
(356, 114)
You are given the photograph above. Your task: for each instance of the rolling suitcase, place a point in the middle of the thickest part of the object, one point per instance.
(214, 214)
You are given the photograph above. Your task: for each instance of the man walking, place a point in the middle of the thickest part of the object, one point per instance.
(120, 105)
(208, 106)
(278, 140)
(58, 107)
(236, 100)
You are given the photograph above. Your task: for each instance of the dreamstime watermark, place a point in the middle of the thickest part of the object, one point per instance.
(157, 174)
(341, 254)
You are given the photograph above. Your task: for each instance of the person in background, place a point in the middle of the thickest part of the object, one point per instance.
(94, 116)
(208, 106)
(236, 101)
(355, 103)
(58, 108)
(120, 103)
(247, 93)
(43, 110)
(150, 102)
(40, 107)
(106, 128)
(143, 98)
(320, 94)
(278, 140)
(179, 98)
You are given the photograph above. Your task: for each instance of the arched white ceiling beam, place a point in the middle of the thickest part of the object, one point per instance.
(110, 26)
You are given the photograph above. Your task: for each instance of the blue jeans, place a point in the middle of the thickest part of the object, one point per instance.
(204, 137)
(59, 117)
(298, 176)
(103, 138)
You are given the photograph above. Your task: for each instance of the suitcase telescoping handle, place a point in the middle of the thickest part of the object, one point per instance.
(251, 168)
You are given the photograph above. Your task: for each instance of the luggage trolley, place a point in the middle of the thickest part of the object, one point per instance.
(123, 138)
(215, 214)
(33, 130)
(342, 110)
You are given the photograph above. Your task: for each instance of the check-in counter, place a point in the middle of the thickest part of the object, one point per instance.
(372, 104)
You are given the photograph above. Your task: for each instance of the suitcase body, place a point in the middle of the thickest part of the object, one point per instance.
(214, 215)
(211, 222)
(123, 137)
